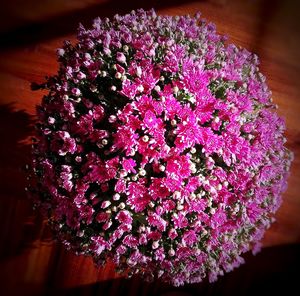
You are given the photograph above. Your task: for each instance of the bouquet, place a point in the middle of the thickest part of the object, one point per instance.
(157, 147)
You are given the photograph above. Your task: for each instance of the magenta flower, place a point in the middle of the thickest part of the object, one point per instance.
(190, 238)
(121, 57)
(128, 165)
(124, 217)
(156, 220)
(138, 197)
(179, 220)
(130, 241)
(62, 143)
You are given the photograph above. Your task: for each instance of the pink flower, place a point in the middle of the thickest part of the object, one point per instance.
(112, 166)
(172, 234)
(99, 244)
(159, 254)
(157, 221)
(66, 177)
(172, 183)
(97, 135)
(150, 120)
(125, 139)
(124, 217)
(97, 172)
(121, 57)
(168, 205)
(138, 197)
(178, 166)
(130, 241)
(128, 165)
(102, 217)
(120, 186)
(62, 143)
(129, 89)
(158, 189)
(121, 250)
(98, 113)
(219, 218)
(184, 253)
(179, 220)
(154, 235)
(144, 104)
(190, 237)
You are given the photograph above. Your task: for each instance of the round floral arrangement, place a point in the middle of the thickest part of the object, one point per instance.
(158, 148)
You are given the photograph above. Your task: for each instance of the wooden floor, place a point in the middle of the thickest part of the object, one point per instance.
(30, 31)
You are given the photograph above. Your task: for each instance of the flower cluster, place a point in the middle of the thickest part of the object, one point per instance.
(158, 147)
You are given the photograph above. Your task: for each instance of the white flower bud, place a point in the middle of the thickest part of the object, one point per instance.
(51, 120)
(193, 170)
(171, 252)
(138, 71)
(157, 88)
(112, 118)
(78, 159)
(162, 168)
(142, 228)
(118, 75)
(145, 138)
(105, 204)
(104, 141)
(193, 150)
(123, 173)
(116, 196)
(140, 88)
(192, 196)
(151, 204)
(155, 245)
(173, 122)
(175, 89)
(132, 152)
(142, 172)
(225, 183)
(121, 206)
(212, 190)
(176, 194)
(93, 88)
(180, 207)
(60, 52)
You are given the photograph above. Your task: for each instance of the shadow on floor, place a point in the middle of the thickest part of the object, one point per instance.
(274, 270)
(19, 225)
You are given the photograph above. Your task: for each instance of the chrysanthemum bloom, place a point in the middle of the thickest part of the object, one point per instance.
(158, 147)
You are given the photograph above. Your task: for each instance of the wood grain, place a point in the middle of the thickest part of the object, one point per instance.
(31, 262)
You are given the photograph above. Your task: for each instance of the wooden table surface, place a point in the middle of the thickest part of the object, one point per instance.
(31, 263)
